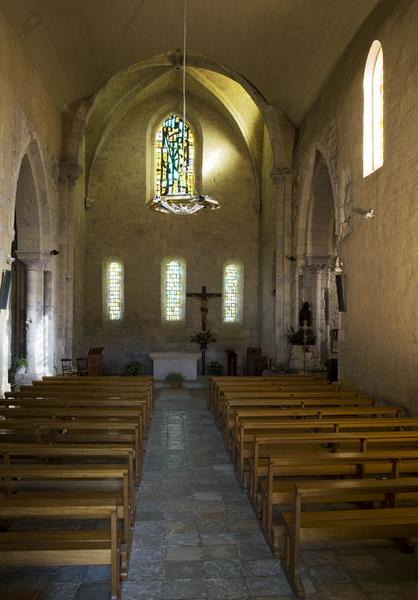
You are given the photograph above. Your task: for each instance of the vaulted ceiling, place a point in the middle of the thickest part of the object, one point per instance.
(285, 48)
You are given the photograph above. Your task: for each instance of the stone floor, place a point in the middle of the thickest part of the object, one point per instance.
(196, 536)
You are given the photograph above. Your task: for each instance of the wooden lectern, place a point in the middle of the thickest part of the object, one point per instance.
(95, 362)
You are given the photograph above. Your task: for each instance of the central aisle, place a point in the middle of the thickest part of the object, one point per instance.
(196, 536)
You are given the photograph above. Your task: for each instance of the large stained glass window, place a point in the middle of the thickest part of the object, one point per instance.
(173, 297)
(232, 293)
(174, 158)
(114, 290)
(373, 110)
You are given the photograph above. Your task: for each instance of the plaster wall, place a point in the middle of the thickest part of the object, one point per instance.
(120, 225)
(379, 346)
(28, 119)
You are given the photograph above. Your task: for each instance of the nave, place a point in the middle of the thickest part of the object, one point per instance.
(196, 536)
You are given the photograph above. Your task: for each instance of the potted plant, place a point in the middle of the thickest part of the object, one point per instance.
(18, 369)
(175, 380)
(296, 337)
(134, 368)
(215, 368)
(203, 339)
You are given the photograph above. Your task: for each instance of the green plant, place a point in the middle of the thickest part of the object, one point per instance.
(134, 368)
(202, 338)
(215, 368)
(19, 364)
(295, 336)
(175, 380)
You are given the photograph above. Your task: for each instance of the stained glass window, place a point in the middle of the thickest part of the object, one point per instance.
(114, 290)
(373, 110)
(173, 289)
(232, 293)
(174, 158)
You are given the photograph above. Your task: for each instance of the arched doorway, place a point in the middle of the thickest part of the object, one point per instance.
(28, 336)
(317, 281)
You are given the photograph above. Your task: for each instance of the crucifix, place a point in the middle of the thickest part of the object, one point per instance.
(204, 297)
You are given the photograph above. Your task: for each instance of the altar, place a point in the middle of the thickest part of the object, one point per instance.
(175, 362)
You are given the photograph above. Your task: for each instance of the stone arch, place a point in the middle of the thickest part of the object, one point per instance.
(316, 248)
(31, 248)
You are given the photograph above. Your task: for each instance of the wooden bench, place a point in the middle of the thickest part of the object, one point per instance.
(45, 431)
(264, 414)
(277, 488)
(232, 405)
(344, 525)
(249, 430)
(63, 398)
(61, 547)
(266, 447)
(34, 482)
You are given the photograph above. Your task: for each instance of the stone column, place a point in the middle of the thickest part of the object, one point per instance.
(282, 179)
(35, 263)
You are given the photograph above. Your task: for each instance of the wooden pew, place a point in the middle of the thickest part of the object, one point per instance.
(213, 382)
(264, 414)
(231, 405)
(268, 384)
(283, 473)
(266, 447)
(45, 431)
(33, 482)
(271, 390)
(77, 414)
(249, 430)
(68, 397)
(344, 525)
(62, 547)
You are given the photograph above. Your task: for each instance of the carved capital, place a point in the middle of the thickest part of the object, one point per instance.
(69, 172)
(279, 174)
(34, 260)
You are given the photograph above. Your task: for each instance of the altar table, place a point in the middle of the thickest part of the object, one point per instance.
(175, 362)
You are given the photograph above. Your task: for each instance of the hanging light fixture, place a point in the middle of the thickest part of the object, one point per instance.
(187, 203)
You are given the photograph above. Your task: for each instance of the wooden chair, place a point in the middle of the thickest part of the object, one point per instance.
(67, 367)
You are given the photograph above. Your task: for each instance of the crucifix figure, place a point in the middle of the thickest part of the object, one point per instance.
(204, 297)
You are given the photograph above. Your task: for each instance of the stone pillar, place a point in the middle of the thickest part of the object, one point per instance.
(35, 263)
(282, 179)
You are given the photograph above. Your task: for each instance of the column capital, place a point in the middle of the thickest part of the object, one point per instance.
(70, 172)
(279, 173)
(34, 260)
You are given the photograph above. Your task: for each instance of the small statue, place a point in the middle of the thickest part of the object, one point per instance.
(305, 315)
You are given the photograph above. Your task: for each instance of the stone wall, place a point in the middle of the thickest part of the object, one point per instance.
(379, 347)
(120, 225)
(29, 124)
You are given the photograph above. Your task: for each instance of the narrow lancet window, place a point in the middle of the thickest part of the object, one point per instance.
(174, 158)
(232, 293)
(114, 290)
(173, 289)
(373, 110)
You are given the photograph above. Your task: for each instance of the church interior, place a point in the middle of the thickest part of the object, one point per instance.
(203, 241)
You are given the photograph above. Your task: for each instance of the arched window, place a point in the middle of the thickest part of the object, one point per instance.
(113, 289)
(174, 158)
(173, 289)
(232, 293)
(373, 110)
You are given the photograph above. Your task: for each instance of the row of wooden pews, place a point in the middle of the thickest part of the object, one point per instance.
(320, 462)
(71, 450)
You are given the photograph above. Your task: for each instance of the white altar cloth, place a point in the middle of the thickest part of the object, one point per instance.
(175, 362)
